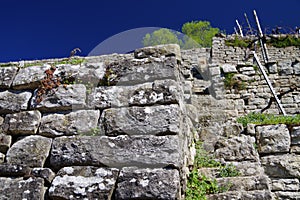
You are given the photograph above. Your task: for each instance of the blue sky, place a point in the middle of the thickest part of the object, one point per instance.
(36, 29)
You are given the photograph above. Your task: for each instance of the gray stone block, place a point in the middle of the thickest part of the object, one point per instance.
(121, 151)
(29, 77)
(7, 75)
(295, 135)
(285, 184)
(155, 120)
(5, 142)
(273, 139)
(83, 183)
(31, 151)
(12, 170)
(22, 123)
(69, 97)
(17, 188)
(158, 92)
(282, 166)
(46, 173)
(14, 101)
(134, 183)
(74, 123)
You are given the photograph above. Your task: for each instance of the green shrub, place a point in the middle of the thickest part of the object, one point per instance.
(238, 42)
(284, 41)
(268, 119)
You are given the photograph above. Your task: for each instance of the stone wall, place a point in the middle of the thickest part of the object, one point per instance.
(124, 126)
(110, 127)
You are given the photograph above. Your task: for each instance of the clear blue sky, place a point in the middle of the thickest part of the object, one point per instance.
(36, 29)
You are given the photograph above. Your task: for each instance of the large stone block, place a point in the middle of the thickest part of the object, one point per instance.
(242, 195)
(121, 151)
(285, 184)
(31, 151)
(273, 138)
(83, 183)
(7, 75)
(134, 183)
(14, 101)
(22, 123)
(29, 77)
(158, 92)
(286, 195)
(238, 148)
(159, 51)
(155, 120)
(282, 166)
(17, 188)
(69, 97)
(74, 123)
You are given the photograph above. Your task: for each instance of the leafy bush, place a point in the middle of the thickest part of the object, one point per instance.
(268, 119)
(238, 42)
(284, 41)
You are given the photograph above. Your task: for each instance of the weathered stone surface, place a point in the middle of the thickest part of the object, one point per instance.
(282, 166)
(29, 77)
(83, 183)
(13, 101)
(46, 173)
(132, 72)
(7, 75)
(285, 67)
(245, 183)
(64, 98)
(155, 120)
(11, 170)
(87, 73)
(285, 184)
(121, 151)
(297, 68)
(287, 195)
(5, 142)
(158, 92)
(295, 135)
(25, 123)
(134, 183)
(227, 68)
(242, 195)
(238, 148)
(17, 188)
(248, 168)
(158, 51)
(31, 151)
(273, 139)
(78, 122)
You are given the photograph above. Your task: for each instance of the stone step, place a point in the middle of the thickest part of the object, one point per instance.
(121, 151)
(242, 195)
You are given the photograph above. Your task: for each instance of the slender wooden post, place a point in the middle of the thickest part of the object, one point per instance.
(247, 20)
(269, 84)
(240, 28)
(261, 36)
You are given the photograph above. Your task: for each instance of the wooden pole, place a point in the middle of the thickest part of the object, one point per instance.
(240, 28)
(269, 84)
(247, 20)
(261, 36)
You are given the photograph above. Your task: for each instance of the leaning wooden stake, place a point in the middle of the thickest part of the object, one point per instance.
(261, 37)
(249, 26)
(269, 84)
(240, 28)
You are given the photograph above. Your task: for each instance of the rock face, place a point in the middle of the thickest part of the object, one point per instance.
(121, 151)
(74, 123)
(7, 75)
(134, 183)
(83, 183)
(158, 92)
(13, 101)
(273, 139)
(17, 188)
(30, 77)
(63, 98)
(282, 166)
(26, 122)
(237, 149)
(31, 151)
(154, 120)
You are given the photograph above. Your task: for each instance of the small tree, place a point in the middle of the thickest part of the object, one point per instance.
(201, 32)
(161, 36)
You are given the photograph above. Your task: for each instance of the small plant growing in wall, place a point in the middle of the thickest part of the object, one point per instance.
(231, 82)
